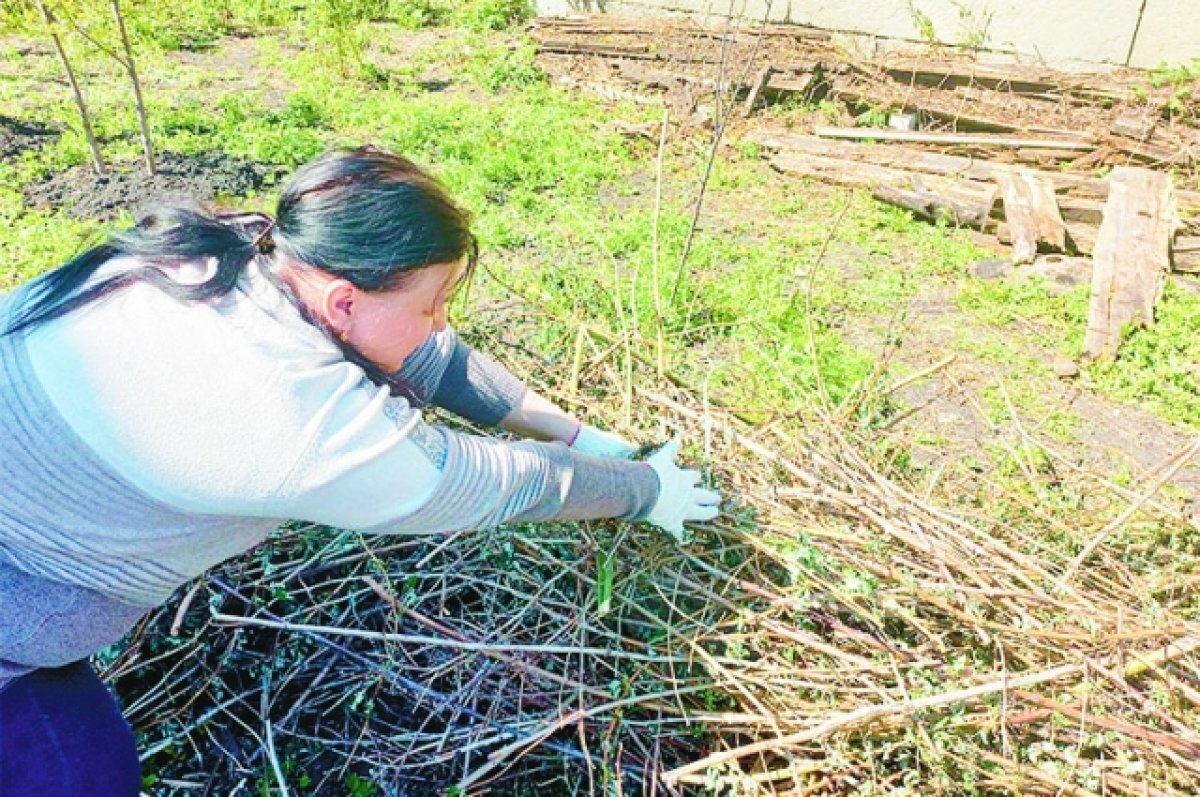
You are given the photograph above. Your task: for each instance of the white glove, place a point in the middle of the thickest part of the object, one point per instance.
(679, 498)
(599, 443)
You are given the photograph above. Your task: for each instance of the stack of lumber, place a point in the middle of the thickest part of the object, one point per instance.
(1099, 164)
(966, 190)
(1106, 111)
(1128, 221)
(1111, 118)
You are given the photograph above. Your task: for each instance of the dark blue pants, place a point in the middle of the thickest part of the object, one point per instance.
(63, 735)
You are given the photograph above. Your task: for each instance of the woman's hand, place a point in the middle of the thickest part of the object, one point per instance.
(599, 443)
(679, 499)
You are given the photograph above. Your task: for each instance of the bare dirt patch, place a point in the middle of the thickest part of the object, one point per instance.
(1107, 437)
(234, 65)
(185, 179)
(17, 136)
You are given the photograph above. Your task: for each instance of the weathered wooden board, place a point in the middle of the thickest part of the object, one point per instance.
(1145, 152)
(962, 210)
(1185, 255)
(573, 47)
(1085, 205)
(1008, 78)
(1031, 211)
(1132, 256)
(915, 159)
(963, 202)
(756, 87)
(967, 139)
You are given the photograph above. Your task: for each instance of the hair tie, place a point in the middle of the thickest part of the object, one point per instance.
(263, 243)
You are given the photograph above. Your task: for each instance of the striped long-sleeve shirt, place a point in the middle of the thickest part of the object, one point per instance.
(144, 440)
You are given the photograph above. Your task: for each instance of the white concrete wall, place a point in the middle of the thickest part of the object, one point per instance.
(1056, 32)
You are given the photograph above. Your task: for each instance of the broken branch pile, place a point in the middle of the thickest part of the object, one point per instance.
(840, 630)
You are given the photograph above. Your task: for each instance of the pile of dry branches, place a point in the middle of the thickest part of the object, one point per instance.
(847, 626)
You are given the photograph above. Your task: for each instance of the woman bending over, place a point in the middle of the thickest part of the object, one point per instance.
(169, 397)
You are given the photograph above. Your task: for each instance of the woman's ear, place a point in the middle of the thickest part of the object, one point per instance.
(338, 305)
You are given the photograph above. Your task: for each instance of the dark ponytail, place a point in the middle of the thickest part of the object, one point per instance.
(171, 235)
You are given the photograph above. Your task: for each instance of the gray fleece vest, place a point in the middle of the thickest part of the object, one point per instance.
(51, 489)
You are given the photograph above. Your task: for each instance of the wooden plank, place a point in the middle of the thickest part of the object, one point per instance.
(1027, 81)
(962, 202)
(803, 83)
(1132, 257)
(1185, 254)
(637, 52)
(835, 170)
(913, 159)
(1075, 208)
(1150, 154)
(933, 205)
(572, 47)
(756, 88)
(944, 139)
(1048, 157)
(1032, 214)
(949, 76)
(849, 173)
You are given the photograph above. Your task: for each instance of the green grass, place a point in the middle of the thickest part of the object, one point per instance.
(1159, 369)
(1155, 369)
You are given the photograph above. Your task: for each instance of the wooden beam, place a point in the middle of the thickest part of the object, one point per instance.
(1150, 154)
(962, 202)
(949, 76)
(572, 47)
(756, 88)
(912, 158)
(1185, 254)
(960, 210)
(1131, 258)
(1032, 214)
(944, 139)
(921, 160)
(1034, 82)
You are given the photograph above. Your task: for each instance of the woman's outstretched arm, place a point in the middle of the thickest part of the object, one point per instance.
(449, 374)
